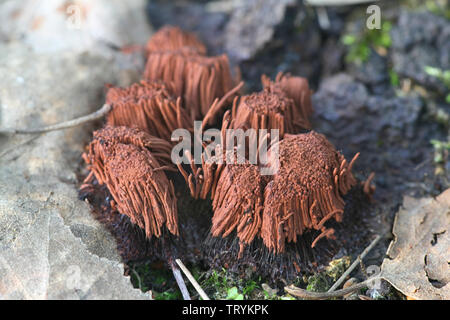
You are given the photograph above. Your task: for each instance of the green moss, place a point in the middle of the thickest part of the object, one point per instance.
(225, 285)
(318, 283)
(393, 76)
(233, 294)
(360, 45)
(322, 281)
(229, 286)
(154, 277)
(441, 150)
(167, 295)
(441, 9)
(249, 287)
(337, 267)
(442, 75)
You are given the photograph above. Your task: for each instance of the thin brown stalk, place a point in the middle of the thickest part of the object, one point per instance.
(62, 125)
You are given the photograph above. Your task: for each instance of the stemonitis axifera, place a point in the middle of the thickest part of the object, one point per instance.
(255, 212)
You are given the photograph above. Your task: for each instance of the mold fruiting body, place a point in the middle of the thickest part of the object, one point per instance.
(264, 110)
(270, 221)
(170, 38)
(306, 191)
(284, 105)
(149, 106)
(238, 203)
(297, 89)
(236, 191)
(197, 79)
(126, 161)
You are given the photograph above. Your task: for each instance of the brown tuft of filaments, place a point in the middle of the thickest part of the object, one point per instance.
(238, 203)
(236, 191)
(306, 191)
(197, 79)
(297, 89)
(148, 105)
(203, 179)
(126, 161)
(171, 38)
(264, 110)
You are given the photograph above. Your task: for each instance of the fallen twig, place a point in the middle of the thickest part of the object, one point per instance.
(7, 151)
(60, 126)
(309, 295)
(179, 279)
(137, 277)
(192, 280)
(354, 264)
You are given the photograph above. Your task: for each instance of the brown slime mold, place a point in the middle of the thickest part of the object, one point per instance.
(306, 191)
(264, 110)
(199, 80)
(182, 84)
(302, 196)
(120, 157)
(149, 106)
(238, 203)
(170, 38)
(297, 89)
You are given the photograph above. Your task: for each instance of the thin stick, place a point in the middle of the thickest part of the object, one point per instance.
(60, 126)
(137, 277)
(5, 152)
(355, 264)
(304, 294)
(179, 279)
(192, 280)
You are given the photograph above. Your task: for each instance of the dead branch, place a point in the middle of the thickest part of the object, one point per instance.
(61, 126)
(304, 294)
(192, 280)
(355, 264)
(179, 279)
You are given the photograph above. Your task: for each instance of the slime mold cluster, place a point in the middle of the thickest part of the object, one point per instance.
(274, 222)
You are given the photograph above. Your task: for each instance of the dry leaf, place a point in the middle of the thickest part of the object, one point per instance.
(418, 258)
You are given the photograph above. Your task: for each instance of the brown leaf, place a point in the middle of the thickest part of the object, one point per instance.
(419, 256)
